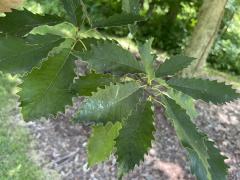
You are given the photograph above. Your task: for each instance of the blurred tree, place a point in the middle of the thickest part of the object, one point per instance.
(204, 35)
(170, 22)
(225, 54)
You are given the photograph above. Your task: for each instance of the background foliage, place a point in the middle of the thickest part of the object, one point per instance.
(170, 23)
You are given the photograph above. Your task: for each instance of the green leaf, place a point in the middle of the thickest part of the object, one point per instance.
(65, 30)
(74, 11)
(185, 101)
(117, 20)
(135, 137)
(85, 45)
(102, 142)
(174, 65)
(209, 91)
(108, 57)
(147, 58)
(114, 103)
(206, 161)
(46, 91)
(85, 85)
(19, 55)
(216, 162)
(131, 6)
(19, 23)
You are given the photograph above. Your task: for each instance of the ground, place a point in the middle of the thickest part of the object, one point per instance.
(62, 146)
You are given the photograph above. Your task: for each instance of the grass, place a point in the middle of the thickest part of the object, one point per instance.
(14, 139)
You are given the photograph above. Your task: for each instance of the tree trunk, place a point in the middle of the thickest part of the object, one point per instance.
(204, 35)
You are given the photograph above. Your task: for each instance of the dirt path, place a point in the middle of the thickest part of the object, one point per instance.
(62, 146)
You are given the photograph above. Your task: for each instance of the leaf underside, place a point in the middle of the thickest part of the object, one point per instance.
(46, 91)
(20, 55)
(135, 137)
(102, 141)
(19, 23)
(114, 103)
(206, 161)
(185, 101)
(206, 90)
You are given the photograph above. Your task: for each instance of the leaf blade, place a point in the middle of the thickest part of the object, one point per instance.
(135, 137)
(114, 103)
(19, 23)
(174, 65)
(53, 93)
(74, 11)
(147, 58)
(108, 57)
(85, 85)
(200, 150)
(102, 142)
(209, 91)
(19, 55)
(185, 101)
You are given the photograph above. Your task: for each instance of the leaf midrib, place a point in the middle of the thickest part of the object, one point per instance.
(44, 93)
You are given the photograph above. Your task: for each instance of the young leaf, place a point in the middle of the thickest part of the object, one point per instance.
(85, 85)
(185, 101)
(147, 58)
(46, 91)
(206, 161)
(114, 103)
(102, 142)
(122, 19)
(19, 55)
(174, 65)
(131, 6)
(19, 23)
(135, 137)
(108, 57)
(74, 11)
(209, 91)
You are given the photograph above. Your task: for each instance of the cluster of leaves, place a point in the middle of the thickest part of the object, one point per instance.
(121, 90)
